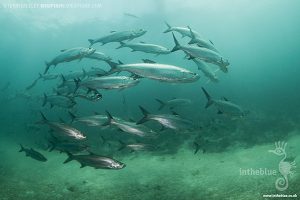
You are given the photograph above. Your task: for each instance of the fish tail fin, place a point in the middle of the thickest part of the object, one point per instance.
(70, 157)
(193, 37)
(91, 41)
(168, 27)
(208, 97)
(113, 67)
(22, 148)
(162, 104)
(53, 146)
(177, 45)
(77, 84)
(44, 119)
(47, 67)
(73, 117)
(197, 147)
(40, 76)
(123, 145)
(122, 44)
(145, 115)
(45, 100)
(109, 119)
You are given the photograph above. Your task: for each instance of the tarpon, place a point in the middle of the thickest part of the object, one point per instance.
(118, 36)
(168, 121)
(33, 154)
(224, 106)
(160, 72)
(206, 70)
(173, 103)
(68, 55)
(147, 48)
(184, 31)
(96, 161)
(99, 56)
(204, 54)
(59, 100)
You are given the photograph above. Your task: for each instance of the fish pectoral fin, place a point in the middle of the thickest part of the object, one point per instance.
(219, 112)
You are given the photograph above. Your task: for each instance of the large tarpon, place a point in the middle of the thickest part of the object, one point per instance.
(99, 56)
(59, 100)
(201, 42)
(156, 71)
(118, 36)
(108, 82)
(224, 106)
(174, 122)
(147, 48)
(206, 70)
(63, 130)
(33, 154)
(96, 161)
(68, 55)
(129, 127)
(173, 103)
(184, 31)
(204, 54)
(93, 120)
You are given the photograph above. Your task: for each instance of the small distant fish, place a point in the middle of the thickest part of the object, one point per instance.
(118, 36)
(185, 32)
(156, 71)
(33, 154)
(131, 15)
(204, 54)
(136, 147)
(32, 84)
(99, 56)
(173, 103)
(224, 106)
(96, 161)
(144, 47)
(68, 55)
(59, 100)
(168, 121)
(63, 130)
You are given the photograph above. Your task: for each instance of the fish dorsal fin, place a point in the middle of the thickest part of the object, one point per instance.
(148, 61)
(131, 120)
(96, 113)
(142, 42)
(91, 153)
(63, 50)
(113, 31)
(225, 99)
(120, 62)
(211, 42)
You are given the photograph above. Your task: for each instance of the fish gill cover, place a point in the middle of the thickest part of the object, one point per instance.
(149, 99)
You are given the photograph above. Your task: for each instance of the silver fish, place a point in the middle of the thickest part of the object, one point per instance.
(173, 103)
(93, 120)
(59, 100)
(224, 106)
(174, 122)
(109, 82)
(137, 147)
(204, 54)
(68, 55)
(118, 36)
(206, 70)
(147, 48)
(201, 42)
(96, 161)
(185, 32)
(129, 127)
(160, 72)
(63, 130)
(33, 154)
(99, 56)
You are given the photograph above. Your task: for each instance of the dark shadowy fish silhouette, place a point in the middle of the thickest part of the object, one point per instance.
(33, 154)
(131, 15)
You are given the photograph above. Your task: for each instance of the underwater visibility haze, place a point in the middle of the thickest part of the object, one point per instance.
(152, 99)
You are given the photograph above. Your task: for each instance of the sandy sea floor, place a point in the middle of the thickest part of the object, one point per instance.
(179, 176)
